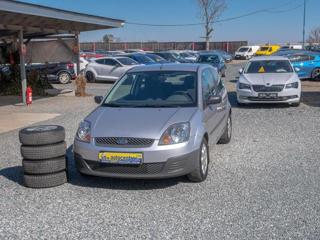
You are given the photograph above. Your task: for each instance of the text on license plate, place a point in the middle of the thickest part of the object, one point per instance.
(120, 158)
(268, 95)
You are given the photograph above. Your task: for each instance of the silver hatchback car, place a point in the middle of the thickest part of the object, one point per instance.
(157, 121)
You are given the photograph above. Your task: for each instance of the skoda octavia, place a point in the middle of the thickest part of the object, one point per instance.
(269, 80)
(157, 121)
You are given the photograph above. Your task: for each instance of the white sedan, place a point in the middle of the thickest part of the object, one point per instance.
(108, 68)
(270, 79)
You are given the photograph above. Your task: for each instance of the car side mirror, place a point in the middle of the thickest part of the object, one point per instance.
(214, 100)
(240, 71)
(98, 99)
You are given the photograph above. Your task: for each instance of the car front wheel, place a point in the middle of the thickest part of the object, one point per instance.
(202, 163)
(90, 77)
(315, 74)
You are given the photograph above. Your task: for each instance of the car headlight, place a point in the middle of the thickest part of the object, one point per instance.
(292, 85)
(176, 133)
(84, 131)
(244, 86)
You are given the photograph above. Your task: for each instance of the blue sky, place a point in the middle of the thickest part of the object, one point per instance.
(260, 28)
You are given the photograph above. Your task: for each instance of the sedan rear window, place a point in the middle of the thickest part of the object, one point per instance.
(269, 66)
(208, 59)
(127, 61)
(154, 89)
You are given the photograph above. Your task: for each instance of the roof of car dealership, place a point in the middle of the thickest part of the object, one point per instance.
(36, 20)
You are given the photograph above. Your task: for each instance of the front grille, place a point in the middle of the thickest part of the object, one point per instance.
(272, 99)
(123, 142)
(146, 168)
(263, 88)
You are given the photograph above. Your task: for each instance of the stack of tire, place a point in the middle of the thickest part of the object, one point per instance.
(43, 150)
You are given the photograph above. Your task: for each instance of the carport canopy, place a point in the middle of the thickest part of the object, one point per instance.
(34, 21)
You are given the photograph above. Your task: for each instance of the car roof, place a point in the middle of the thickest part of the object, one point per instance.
(169, 67)
(266, 58)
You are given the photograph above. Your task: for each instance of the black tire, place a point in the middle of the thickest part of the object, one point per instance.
(45, 181)
(44, 166)
(315, 75)
(42, 135)
(44, 152)
(64, 77)
(227, 134)
(90, 77)
(198, 175)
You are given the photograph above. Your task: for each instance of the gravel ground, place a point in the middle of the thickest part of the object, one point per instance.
(263, 185)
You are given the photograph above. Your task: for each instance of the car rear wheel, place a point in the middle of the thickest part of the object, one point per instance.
(90, 77)
(316, 74)
(227, 134)
(64, 77)
(201, 172)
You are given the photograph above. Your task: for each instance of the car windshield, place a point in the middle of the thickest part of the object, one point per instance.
(154, 89)
(155, 58)
(264, 48)
(208, 59)
(127, 61)
(143, 59)
(269, 66)
(243, 49)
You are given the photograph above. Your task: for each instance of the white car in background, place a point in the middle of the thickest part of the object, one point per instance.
(246, 52)
(108, 68)
(270, 79)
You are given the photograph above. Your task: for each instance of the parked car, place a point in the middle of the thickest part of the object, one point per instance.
(140, 58)
(89, 55)
(62, 72)
(134, 51)
(188, 56)
(109, 68)
(269, 80)
(291, 46)
(307, 64)
(215, 60)
(246, 52)
(267, 50)
(156, 122)
(226, 56)
(156, 58)
(172, 57)
(114, 53)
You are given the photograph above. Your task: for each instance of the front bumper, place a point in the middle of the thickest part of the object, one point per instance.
(158, 161)
(285, 96)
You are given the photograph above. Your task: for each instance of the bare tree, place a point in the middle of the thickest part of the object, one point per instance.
(210, 10)
(314, 36)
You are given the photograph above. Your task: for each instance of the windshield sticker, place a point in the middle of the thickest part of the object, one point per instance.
(261, 70)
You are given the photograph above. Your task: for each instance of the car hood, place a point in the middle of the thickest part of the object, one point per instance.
(270, 78)
(136, 122)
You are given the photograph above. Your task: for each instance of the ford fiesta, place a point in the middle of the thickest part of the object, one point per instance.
(269, 80)
(158, 121)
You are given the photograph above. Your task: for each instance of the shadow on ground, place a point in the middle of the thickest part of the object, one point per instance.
(14, 174)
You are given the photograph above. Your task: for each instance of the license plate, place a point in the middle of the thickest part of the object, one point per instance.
(120, 158)
(268, 95)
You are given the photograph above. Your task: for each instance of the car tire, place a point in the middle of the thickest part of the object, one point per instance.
(315, 75)
(227, 134)
(64, 77)
(42, 135)
(90, 77)
(202, 164)
(44, 166)
(44, 152)
(45, 181)
(296, 104)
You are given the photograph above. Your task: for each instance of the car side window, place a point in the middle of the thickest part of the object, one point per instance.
(250, 50)
(100, 61)
(110, 62)
(207, 81)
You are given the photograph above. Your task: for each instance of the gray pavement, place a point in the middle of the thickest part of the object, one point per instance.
(263, 185)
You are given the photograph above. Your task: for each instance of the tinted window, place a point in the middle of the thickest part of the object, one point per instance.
(100, 61)
(269, 66)
(209, 59)
(299, 58)
(142, 58)
(110, 62)
(264, 49)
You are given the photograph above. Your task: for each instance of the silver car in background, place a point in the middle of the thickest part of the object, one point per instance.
(108, 68)
(157, 121)
(270, 79)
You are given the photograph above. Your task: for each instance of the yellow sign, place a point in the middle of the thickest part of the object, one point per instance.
(261, 70)
(116, 157)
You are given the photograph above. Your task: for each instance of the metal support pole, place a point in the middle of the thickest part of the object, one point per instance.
(22, 68)
(78, 53)
(304, 24)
